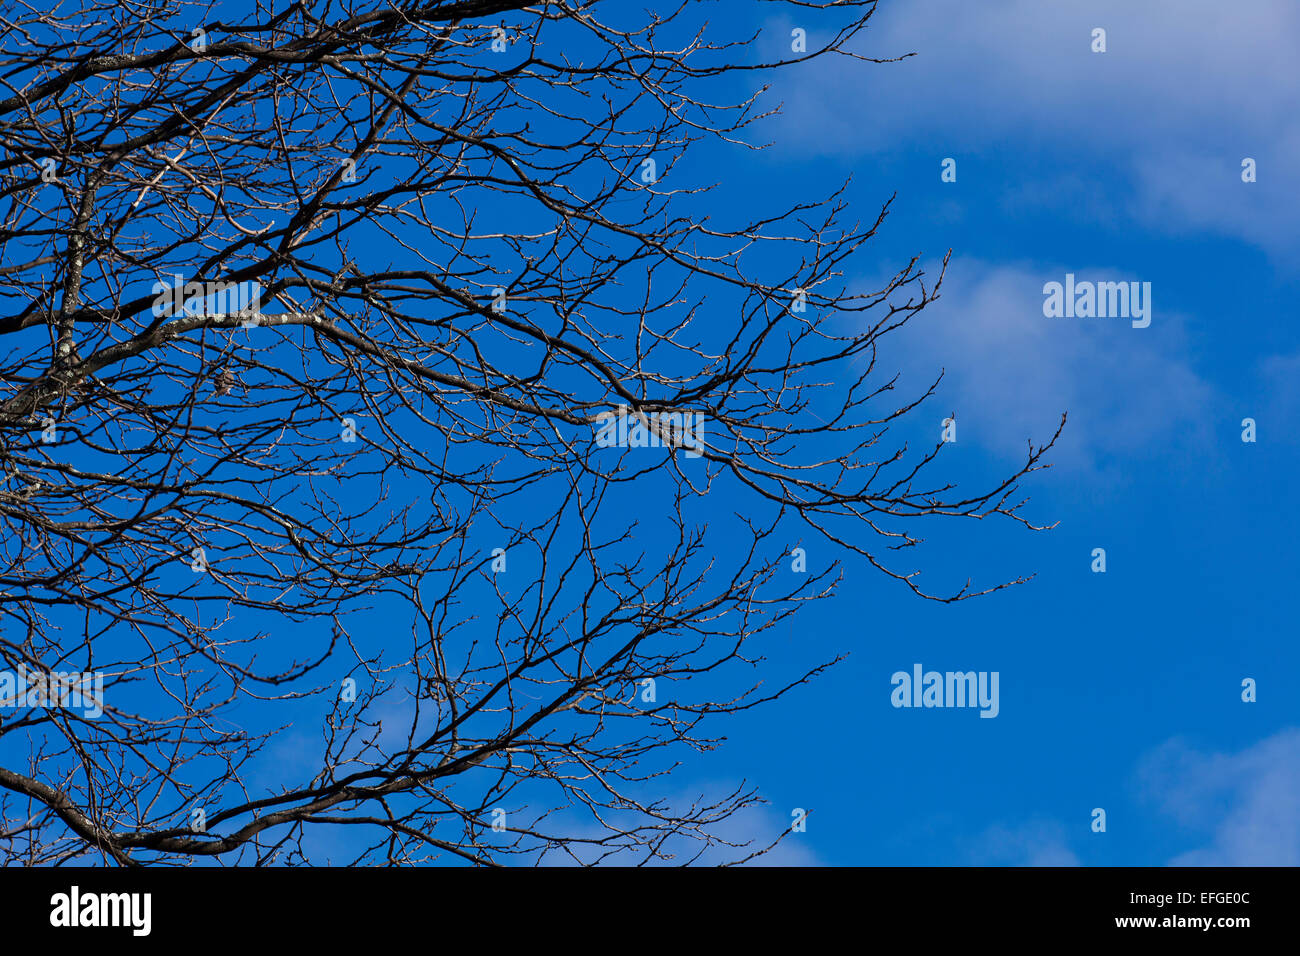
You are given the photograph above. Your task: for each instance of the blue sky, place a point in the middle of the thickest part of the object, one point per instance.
(1119, 690)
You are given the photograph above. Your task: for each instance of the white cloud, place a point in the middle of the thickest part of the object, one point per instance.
(1186, 89)
(750, 829)
(1036, 843)
(1248, 803)
(1280, 375)
(1010, 371)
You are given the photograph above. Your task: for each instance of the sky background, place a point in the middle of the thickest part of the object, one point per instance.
(1119, 690)
(1122, 690)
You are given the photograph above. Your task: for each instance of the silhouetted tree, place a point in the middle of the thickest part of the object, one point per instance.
(318, 327)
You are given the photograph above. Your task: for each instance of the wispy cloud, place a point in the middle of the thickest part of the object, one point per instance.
(746, 831)
(1035, 843)
(1010, 371)
(1185, 91)
(1246, 804)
